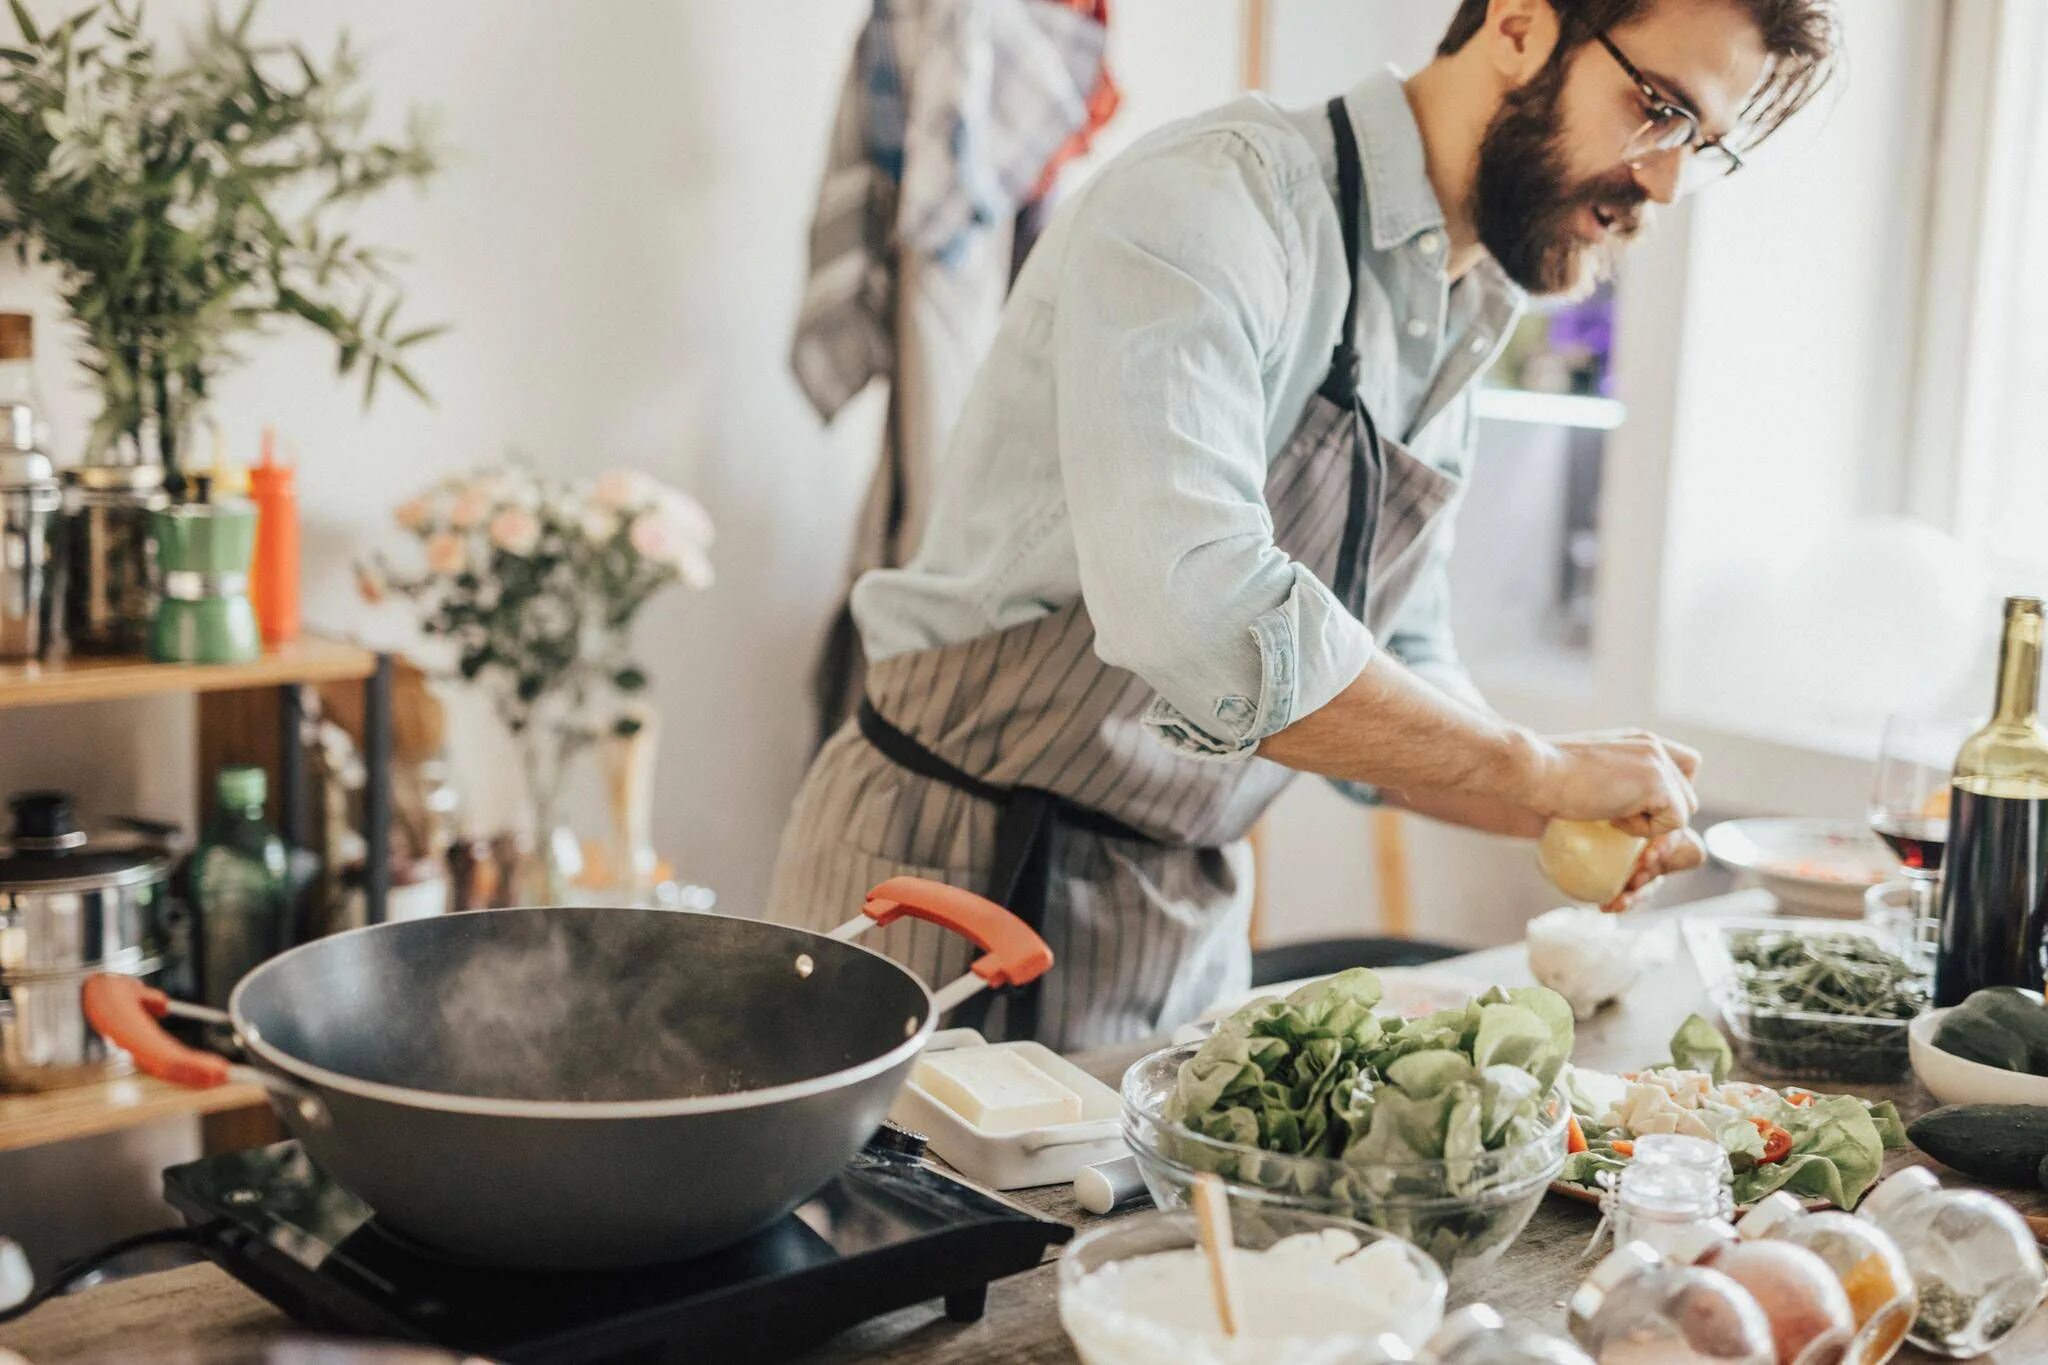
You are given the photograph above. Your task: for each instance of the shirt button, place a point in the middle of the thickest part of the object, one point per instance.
(1480, 343)
(1417, 328)
(1430, 243)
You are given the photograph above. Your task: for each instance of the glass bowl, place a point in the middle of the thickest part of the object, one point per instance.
(1267, 1327)
(1462, 1214)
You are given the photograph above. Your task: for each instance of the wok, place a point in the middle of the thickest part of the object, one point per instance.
(582, 1086)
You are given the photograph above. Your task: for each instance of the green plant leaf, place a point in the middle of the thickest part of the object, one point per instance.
(29, 33)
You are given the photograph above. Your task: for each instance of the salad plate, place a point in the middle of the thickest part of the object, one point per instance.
(1820, 866)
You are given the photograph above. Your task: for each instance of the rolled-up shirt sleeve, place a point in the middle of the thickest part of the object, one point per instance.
(1176, 282)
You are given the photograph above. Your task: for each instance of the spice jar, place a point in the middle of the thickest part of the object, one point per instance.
(1863, 1257)
(1810, 1319)
(1972, 1258)
(1656, 1202)
(1477, 1336)
(1634, 1309)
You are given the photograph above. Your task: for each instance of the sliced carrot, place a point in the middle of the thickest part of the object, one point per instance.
(1623, 1147)
(1574, 1136)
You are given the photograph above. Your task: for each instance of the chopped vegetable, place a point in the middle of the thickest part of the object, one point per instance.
(1622, 1147)
(1823, 1004)
(1777, 1142)
(1574, 1136)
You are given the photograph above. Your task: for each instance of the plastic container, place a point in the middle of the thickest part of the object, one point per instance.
(1271, 1328)
(1834, 1049)
(274, 572)
(1464, 1218)
(1973, 1260)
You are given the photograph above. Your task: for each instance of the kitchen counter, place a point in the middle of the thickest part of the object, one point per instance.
(1528, 1284)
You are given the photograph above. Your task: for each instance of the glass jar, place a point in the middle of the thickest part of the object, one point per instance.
(1972, 1258)
(1861, 1255)
(1634, 1309)
(1477, 1336)
(1656, 1202)
(1808, 1311)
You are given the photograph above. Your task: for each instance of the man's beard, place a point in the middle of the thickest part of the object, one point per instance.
(1528, 211)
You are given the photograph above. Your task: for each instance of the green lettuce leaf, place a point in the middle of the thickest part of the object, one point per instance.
(1699, 1046)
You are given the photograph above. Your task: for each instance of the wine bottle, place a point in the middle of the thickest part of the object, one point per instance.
(1994, 899)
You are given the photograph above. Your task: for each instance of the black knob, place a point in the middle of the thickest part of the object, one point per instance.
(42, 815)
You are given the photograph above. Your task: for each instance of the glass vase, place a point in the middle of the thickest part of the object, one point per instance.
(553, 859)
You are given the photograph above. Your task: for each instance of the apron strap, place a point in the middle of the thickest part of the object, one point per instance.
(1341, 386)
(1028, 822)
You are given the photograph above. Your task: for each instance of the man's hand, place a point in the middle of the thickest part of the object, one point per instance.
(1637, 780)
(1678, 851)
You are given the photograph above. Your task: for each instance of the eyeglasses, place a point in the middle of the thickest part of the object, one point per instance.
(1670, 128)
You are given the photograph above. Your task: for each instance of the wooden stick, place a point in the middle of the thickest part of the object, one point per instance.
(1212, 1219)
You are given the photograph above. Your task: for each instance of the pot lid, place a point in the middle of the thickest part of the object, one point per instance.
(26, 471)
(45, 849)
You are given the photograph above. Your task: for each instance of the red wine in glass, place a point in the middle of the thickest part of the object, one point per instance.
(1918, 841)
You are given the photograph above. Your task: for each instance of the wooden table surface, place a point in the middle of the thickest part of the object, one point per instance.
(1527, 1285)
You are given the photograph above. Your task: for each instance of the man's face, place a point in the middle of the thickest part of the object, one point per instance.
(1556, 198)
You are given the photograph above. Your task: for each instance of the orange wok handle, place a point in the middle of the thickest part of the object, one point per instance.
(1014, 953)
(125, 1012)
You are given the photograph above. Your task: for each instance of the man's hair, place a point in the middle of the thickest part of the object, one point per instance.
(1800, 38)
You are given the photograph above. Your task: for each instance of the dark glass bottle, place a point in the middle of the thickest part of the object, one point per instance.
(240, 886)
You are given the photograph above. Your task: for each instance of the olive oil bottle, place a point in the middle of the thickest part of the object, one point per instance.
(1994, 900)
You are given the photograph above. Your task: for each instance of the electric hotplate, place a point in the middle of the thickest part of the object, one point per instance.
(889, 1231)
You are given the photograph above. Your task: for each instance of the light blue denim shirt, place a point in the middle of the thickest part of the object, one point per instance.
(1158, 350)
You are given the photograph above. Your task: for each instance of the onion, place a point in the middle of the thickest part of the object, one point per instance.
(1588, 860)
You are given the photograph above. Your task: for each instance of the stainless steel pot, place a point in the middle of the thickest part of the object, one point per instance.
(30, 500)
(577, 1085)
(71, 904)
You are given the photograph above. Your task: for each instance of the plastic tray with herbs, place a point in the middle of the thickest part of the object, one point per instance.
(1812, 999)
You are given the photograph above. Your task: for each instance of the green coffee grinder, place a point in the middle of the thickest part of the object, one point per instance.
(203, 614)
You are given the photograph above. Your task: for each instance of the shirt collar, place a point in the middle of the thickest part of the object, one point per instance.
(1400, 202)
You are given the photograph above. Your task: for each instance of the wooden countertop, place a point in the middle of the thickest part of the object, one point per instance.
(1527, 1285)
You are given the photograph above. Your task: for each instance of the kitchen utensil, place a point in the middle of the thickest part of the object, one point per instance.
(1821, 867)
(1958, 1080)
(109, 556)
(71, 904)
(203, 615)
(886, 1232)
(1465, 1214)
(30, 501)
(583, 1086)
(1109, 1185)
(1212, 1225)
(1051, 1155)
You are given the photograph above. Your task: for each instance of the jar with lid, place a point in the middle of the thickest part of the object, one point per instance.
(1477, 1336)
(1654, 1202)
(30, 501)
(1635, 1309)
(109, 556)
(1861, 1255)
(1807, 1308)
(1973, 1261)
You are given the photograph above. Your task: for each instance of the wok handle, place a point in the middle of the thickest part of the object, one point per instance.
(125, 1012)
(1014, 953)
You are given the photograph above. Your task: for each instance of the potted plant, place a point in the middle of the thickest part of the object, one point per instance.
(535, 584)
(187, 201)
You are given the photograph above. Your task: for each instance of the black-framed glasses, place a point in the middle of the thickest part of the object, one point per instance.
(1672, 127)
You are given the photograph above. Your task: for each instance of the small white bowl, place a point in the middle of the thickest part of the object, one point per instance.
(1958, 1080)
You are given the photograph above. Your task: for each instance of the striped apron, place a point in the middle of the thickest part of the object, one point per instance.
(1019, 764)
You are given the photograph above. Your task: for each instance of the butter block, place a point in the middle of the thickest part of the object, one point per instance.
(996, 1090)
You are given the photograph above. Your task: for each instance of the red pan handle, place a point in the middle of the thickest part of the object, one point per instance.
(126, 1012)
(1015, 953)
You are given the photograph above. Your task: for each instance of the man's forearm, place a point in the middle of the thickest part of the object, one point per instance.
(1397, 732)
(1488, 814)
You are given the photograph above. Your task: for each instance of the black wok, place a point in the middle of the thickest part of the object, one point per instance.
(582, 1086)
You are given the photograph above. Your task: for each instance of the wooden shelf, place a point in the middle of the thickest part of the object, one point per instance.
(309, 659)
(29, 1120)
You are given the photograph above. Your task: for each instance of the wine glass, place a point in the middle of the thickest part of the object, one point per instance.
(1909, 809)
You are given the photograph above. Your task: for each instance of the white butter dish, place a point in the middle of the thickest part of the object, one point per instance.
(1050, 1155)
